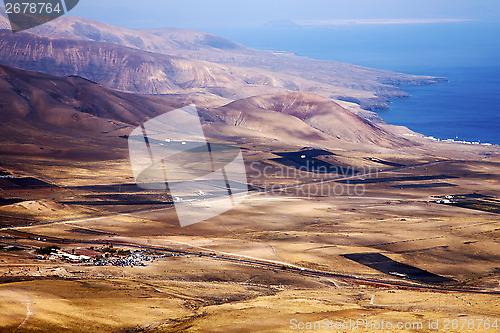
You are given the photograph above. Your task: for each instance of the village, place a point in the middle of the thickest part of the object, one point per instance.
(105, 256)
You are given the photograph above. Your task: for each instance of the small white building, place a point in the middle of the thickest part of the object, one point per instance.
(72, 257)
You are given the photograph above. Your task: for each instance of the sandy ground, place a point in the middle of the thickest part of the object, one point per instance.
(291, 227)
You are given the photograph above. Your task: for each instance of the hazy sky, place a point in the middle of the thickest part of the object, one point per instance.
(218, 13)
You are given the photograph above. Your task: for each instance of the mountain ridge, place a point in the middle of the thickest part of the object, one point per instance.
(47, 114)
(327, 118)
(370, 88)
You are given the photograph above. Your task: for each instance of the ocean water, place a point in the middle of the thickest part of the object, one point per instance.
(467, 53)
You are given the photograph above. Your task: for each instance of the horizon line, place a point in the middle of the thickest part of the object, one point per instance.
(378, 21)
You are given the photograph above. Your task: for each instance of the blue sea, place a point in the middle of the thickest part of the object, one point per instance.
(467, 53)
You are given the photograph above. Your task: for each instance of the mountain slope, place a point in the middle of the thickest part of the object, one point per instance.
(69, 117)
(72, 117)
(162, 41)
(132, 70)
(255, 72)
(73, 103)
(303, 116)
(114, 66)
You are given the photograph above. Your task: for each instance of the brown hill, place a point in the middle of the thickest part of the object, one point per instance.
(302, 117)
(137, 71)
(75, 118)
(73, 103)
(47, 115)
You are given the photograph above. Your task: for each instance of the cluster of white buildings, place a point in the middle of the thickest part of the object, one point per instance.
(449, 140)
(448, 199)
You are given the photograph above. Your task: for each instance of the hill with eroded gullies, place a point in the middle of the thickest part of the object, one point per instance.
(176, 61)
(38, 108)
(302, 116)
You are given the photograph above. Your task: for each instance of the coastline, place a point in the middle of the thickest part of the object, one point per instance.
(461, 103)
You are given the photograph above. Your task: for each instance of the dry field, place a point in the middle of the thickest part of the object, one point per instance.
(299, 226)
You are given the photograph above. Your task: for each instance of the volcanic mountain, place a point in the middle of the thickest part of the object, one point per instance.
(184, 61)
(301, 116)
(45, 114)
(97, 82)
(73, 103)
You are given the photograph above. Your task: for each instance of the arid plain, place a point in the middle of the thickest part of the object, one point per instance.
(291, 227)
